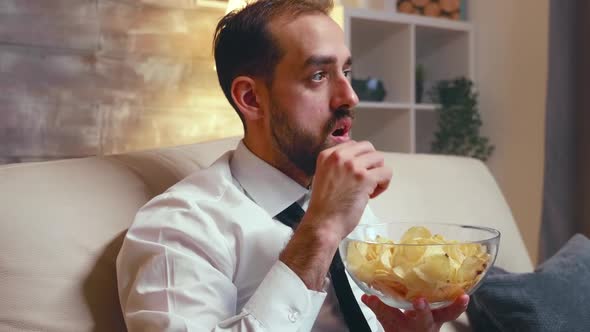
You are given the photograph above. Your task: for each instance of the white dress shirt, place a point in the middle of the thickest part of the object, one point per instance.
(203, 256)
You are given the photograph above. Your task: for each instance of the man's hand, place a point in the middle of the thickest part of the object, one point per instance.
(347, 176)
(421, 319)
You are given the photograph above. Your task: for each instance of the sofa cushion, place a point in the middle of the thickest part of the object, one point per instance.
(553, 298)
(61, 228)
(61, 223)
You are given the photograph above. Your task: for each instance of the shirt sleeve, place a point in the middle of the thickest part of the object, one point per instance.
(175, 273)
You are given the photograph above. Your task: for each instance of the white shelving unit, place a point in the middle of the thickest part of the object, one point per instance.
(388, 46)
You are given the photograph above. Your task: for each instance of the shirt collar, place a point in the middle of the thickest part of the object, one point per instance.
(270, 188)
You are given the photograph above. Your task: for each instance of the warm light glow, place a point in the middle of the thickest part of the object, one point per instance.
(235, 4)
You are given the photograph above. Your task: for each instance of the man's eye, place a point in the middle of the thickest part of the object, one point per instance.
(318, 76)
(348, 73)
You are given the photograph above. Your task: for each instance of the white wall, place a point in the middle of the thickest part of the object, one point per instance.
(511, 51)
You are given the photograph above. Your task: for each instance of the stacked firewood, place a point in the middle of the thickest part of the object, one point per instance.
(434, 8)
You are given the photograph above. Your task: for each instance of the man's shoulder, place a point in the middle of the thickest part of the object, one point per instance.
(209, 186)
(206, 184)
(208, 197)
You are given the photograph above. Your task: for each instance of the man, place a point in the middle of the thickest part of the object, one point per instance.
(216, 252)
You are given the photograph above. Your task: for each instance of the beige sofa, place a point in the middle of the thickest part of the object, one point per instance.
(62, 223)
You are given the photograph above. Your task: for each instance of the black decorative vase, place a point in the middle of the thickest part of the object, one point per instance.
(370, 89)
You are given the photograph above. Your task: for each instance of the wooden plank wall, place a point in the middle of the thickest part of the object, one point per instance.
(92, 77)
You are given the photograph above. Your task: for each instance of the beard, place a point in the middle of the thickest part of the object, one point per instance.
(302, 147)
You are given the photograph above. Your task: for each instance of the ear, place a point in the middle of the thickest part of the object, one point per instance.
(246, 96)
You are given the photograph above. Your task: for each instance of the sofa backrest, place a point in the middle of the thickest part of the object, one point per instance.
(62, 224)
(447, 189)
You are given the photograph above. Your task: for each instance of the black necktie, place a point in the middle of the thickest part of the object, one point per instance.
(351, 311)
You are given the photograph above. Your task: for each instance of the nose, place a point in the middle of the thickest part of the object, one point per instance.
(343, 96)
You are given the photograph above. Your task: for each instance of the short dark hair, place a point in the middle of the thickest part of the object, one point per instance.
(243, 44)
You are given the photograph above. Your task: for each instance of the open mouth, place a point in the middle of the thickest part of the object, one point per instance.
(342, 129)
(339, 132)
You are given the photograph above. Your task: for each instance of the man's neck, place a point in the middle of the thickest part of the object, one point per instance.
(281, 162)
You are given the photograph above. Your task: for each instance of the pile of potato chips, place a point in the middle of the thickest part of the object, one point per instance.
(417, 269)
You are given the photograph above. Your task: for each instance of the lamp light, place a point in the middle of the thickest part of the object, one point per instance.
(235, 4)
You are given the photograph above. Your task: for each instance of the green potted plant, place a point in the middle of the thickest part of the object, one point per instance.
(459, 121)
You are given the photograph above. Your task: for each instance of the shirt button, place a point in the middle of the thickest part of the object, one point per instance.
(293, 316)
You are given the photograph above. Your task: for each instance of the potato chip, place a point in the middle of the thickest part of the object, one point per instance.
(412, 253)
(435, 268)
(415, 233)
(426, 265)
(471, 268)
(355, 256)
(386, 259)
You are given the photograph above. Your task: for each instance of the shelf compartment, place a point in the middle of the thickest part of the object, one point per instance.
(384, 16)
(444, 54)
(382, 50)
(426, 126)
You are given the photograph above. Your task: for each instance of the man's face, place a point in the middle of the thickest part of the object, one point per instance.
(311, 99)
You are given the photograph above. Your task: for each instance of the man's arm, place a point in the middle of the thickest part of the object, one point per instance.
(347, 176)
(175, 273)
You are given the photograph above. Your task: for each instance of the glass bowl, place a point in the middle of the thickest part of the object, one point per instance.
(399, 262)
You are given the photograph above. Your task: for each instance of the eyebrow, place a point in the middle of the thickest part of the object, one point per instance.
(319, 60)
